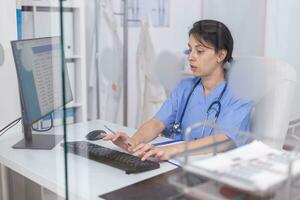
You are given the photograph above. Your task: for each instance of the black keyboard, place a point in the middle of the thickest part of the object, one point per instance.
(128, 163)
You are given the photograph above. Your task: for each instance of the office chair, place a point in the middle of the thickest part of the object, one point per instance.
(271, 85)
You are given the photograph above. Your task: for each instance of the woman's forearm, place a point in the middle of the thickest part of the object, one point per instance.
(179, 148)
(148, 131)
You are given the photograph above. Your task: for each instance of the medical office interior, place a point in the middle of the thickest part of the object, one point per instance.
(71, 67)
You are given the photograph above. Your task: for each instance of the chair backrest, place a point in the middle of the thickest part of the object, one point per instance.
(270, 84)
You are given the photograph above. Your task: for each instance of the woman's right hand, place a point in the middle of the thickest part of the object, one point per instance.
(122, 140)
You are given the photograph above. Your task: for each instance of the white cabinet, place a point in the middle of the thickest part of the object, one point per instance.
(41, 18)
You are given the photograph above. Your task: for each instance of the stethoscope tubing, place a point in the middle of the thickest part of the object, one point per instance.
(177, 125)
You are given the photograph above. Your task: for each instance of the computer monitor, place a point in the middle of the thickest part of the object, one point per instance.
(39, 71)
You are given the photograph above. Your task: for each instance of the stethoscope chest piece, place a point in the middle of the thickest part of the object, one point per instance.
(214, 106)
(176, 128)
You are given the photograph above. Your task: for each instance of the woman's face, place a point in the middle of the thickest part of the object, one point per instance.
(204, 61)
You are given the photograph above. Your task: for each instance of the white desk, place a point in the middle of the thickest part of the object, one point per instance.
(87, 179)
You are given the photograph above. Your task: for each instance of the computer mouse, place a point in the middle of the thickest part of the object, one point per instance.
(95, 135)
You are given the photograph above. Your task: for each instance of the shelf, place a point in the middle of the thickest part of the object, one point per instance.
(51, 3)
(72, 58)
(73, 105)
(74, 38)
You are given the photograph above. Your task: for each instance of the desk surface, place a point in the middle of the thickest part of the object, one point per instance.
(152, 188)
(148, 189)
(87, 179)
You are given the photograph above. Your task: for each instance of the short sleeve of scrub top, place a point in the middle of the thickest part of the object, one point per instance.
(235, 112)
(169, 110)
(236, 116)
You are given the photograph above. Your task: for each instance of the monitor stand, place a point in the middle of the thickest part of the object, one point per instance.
(37, 141)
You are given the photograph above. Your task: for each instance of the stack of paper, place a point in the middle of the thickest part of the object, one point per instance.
(253, 167)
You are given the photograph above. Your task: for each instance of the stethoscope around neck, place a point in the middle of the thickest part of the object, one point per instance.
(214, 106)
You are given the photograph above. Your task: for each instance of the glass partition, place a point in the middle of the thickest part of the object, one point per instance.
(75, 71)
(32, 153)
(125, 57)
(245, 166)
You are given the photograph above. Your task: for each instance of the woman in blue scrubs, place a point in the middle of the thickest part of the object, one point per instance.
(204, 97)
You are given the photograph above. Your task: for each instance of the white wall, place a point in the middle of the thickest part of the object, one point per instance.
(282, 39)
(9, 101)
(262, 28)
(246, 21)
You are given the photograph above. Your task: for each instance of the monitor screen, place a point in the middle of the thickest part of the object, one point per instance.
(39, 70)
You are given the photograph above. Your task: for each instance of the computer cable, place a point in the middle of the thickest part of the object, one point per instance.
(16, 121)
(10, 125)
(44, 130)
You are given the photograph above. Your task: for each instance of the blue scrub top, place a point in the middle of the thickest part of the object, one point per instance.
(235, 112)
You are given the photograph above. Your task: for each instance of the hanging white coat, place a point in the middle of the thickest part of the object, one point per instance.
(151, 93)
(110, 67)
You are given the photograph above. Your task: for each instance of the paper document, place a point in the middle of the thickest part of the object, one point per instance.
(253, 167)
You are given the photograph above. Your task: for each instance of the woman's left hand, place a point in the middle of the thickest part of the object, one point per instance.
(163, 153)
